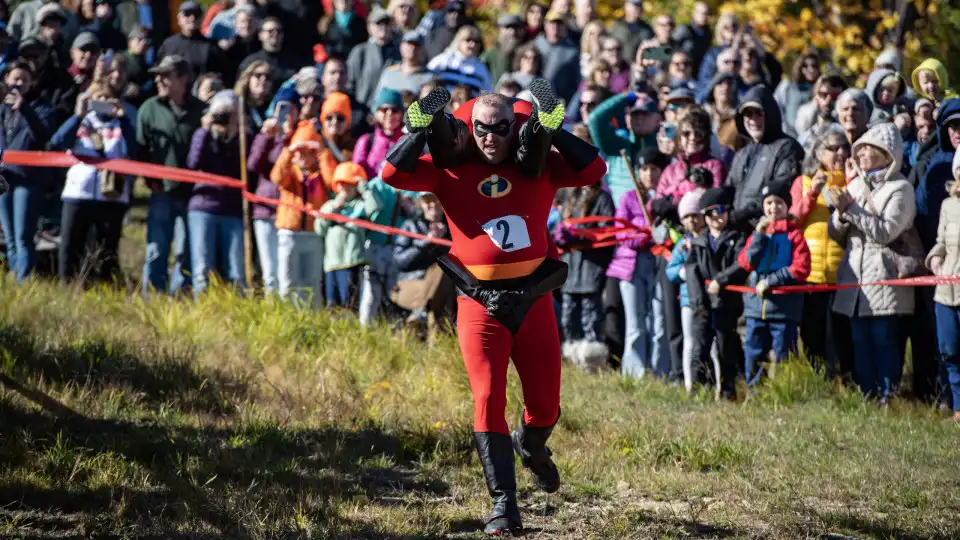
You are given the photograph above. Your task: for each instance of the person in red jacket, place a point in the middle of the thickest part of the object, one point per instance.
(504, 264)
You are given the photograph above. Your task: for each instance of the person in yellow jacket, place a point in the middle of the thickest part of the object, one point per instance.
(825, 334)
(931, 81)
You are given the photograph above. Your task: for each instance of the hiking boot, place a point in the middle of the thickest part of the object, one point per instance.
(496, 458)
(536, 134)
(530, 443)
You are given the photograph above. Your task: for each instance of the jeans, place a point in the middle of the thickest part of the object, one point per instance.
(379, 278)
(266, 236)
(19, 215)
(877, 351)
(213, 238)
(762, 337)
(581, 316)
(948, 337)
(340, 286)
(96, 261)
(166, 223)
(300, 267)
(642, 307)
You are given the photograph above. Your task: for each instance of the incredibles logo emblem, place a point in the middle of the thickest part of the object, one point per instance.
(494, 187)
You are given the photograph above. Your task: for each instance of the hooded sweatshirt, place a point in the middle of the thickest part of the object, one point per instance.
(775, 159)
(885, 113)
(937, 68)
(932, 189)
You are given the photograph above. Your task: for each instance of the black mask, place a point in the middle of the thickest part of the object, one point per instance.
(501, 128)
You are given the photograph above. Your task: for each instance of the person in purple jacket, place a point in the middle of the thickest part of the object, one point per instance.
(264, 152)
(371, 149)
(215, 213)
(636, 268)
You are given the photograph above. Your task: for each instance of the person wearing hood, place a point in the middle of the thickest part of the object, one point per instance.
(825, 334)
(814, 116)
(875, 210)
(300, 250)
(931, 81)
(854, 109)
(886, 89)
(793, 93)
(721, 104)
(771, 157)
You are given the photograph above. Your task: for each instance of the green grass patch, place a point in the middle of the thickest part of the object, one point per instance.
(239, 418)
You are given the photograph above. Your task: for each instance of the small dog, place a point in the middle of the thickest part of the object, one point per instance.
(590, 356)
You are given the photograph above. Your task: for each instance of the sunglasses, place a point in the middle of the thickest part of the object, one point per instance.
(503, 128)
(837, 147)
(715, 211)
(390, 110)
(336, 118)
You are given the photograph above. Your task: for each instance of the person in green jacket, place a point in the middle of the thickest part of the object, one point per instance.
(343, 243)
(642, 122)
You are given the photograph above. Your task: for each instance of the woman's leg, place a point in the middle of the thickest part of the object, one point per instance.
(287, 264)
(73, 233)
(26, 213)
(948, 337)
(864, 361)
(230, 243)
(636, 352)
(689, 347)
(203, 244)
(267, 253)
(570, 317)
(109, 231)
(815, 327)
(591, 316)
(887, 338)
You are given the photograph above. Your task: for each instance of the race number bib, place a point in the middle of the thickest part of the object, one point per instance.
(508, 233)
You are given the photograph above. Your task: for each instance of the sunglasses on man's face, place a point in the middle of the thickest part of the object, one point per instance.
(715, 211)
(500, 129)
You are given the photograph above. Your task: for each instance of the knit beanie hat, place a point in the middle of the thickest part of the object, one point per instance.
(779, 189)
(721, 196)
(690, 203)
(336, 103)
(391, 97)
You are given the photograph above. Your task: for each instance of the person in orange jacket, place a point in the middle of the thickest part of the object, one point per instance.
(300, 251)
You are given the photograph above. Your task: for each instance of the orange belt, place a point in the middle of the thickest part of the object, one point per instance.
(490, 272)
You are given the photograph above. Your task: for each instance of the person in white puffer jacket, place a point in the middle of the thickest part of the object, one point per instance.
(870, 217)
(93, 199)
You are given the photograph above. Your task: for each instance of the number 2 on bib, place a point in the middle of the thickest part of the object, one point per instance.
(508, 233)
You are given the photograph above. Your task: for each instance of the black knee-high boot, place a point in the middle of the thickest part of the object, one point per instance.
(496, 457)
(530, 444)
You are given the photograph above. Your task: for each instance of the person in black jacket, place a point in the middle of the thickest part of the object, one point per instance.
(771, 157)
(27, 125)
(202, 54)
(422, 287)
(713, 258)
(581, 316)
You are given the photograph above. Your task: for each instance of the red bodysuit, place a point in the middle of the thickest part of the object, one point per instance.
(497, 220)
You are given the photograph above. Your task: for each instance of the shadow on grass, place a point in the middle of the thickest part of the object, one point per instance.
(241, 483)
(96, 364)
(866, 525)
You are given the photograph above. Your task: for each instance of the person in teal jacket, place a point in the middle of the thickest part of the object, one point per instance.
(642, 122)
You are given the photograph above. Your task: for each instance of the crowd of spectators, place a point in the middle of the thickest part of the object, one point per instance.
(732, 170)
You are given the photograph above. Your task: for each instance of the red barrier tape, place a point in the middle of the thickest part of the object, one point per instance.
(163, 172)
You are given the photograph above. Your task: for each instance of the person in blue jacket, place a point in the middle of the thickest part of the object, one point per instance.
(27, 125)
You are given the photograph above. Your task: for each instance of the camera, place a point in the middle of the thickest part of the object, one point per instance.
(221, 119)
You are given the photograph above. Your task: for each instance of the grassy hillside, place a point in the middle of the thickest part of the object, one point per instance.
(234, 418)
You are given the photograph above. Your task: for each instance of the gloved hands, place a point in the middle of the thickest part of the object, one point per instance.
(763, 224)
(762, 288)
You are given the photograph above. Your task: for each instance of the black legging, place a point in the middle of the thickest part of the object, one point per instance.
(89, 239)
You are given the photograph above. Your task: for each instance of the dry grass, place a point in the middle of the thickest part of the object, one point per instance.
(233, 418)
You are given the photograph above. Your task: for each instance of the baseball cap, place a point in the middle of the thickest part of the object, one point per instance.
(86, 40)
(644, 104)
(378, 14)
(456, 5)
(173, 63)
(507, 21)
(190, 7)
(138, 32)
(679, 94)
(412, 37)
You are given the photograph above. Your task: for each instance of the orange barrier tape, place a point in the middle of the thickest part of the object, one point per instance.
(163, 172)
(921, 281)
(602, 237)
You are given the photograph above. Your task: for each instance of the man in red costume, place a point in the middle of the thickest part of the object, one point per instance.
(496, 191)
